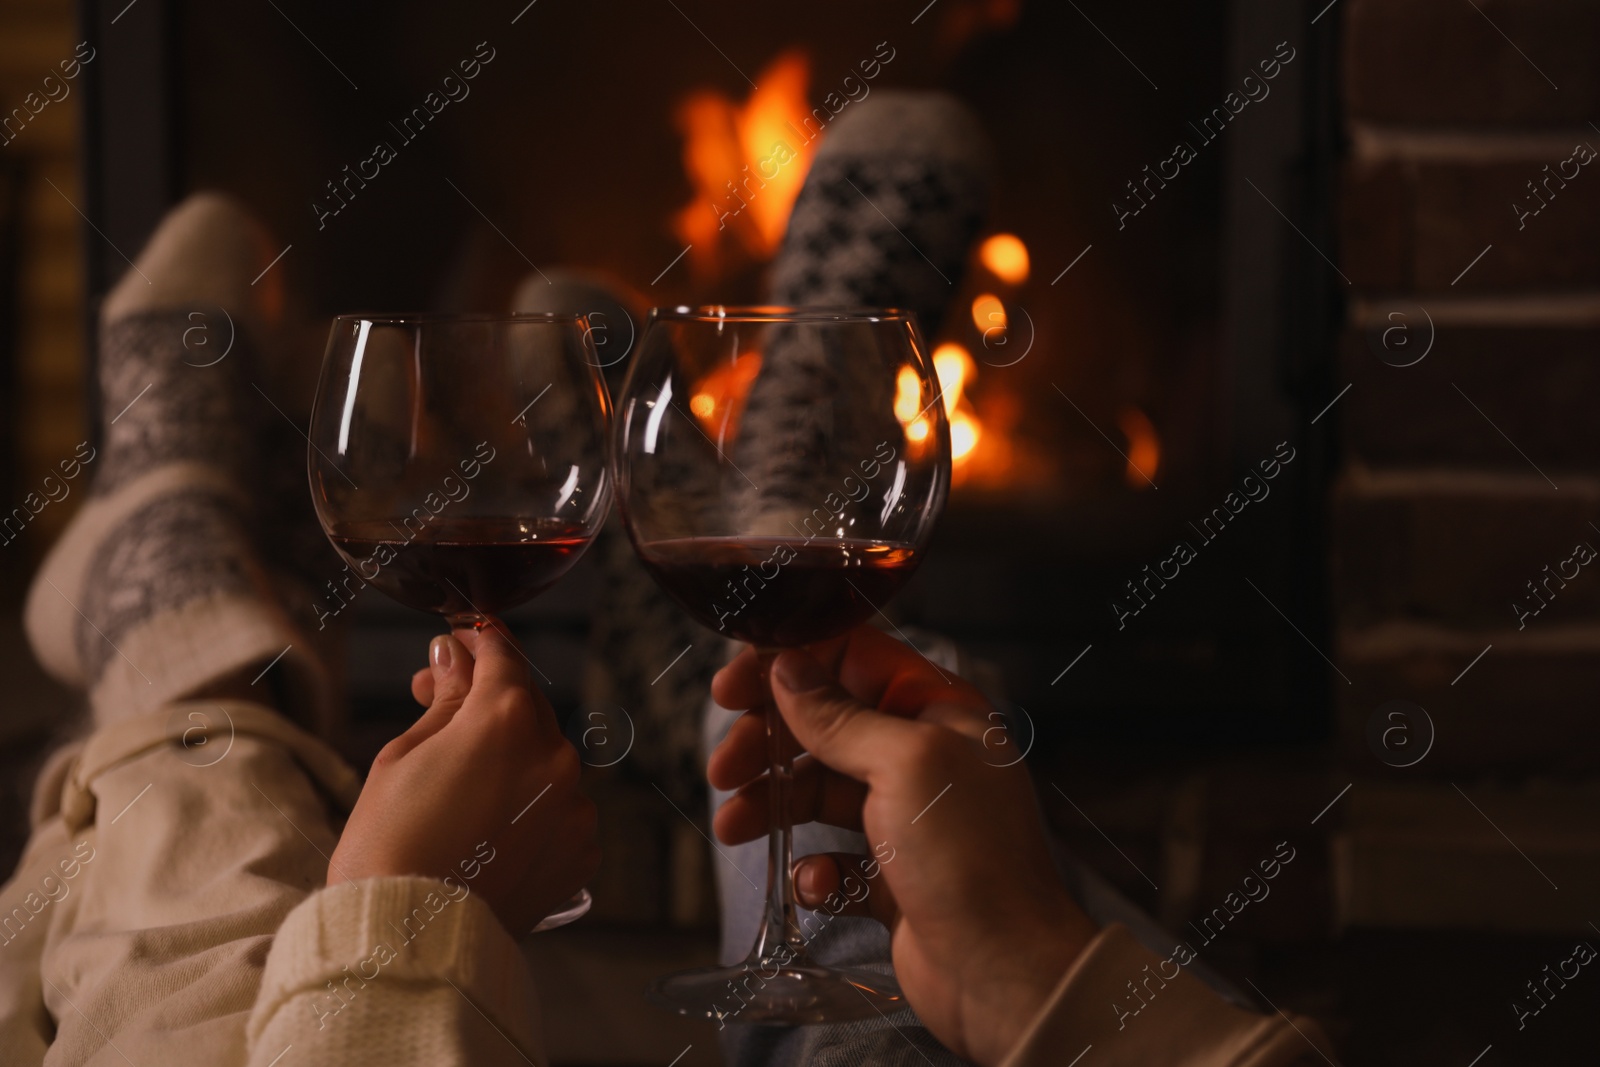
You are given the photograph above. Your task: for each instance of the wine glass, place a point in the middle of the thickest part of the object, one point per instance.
(779, 471)
(458, 462)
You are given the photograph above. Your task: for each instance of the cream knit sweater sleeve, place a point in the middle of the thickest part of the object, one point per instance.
(391, 972)
(1136, 1009)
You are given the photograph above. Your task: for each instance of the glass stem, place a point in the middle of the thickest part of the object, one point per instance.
(467, 620)
(779, 940)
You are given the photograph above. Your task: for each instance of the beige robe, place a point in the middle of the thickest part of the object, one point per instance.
(170, 910)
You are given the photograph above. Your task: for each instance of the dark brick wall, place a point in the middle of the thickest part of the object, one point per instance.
(1538, 384)
(1470, 471)
(1441, 62)
(1415, 224)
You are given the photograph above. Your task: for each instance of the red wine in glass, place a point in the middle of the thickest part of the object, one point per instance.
(778, 592)
(461, 566)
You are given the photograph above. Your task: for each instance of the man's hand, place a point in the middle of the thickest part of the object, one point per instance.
(485, 763)
(983, 928)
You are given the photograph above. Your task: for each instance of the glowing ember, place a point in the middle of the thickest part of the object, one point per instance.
(1144, 447)
(988, 313)
(746, 163)
(907, 395)
(718, 398)
(964, 434)
(908, 406)
(953, 366)
(1006, 257)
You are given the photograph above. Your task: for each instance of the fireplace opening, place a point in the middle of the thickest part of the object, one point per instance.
(1126, 342)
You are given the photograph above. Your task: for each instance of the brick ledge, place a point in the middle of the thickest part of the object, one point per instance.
(1376, 143)
(1360, 480)
(1387, 641)
(1557, 310)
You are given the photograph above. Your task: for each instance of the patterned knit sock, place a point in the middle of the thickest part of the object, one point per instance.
(156, 590)
(887, 214)
(886, 218)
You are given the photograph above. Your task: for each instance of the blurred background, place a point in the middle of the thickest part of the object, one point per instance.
(1381, 260)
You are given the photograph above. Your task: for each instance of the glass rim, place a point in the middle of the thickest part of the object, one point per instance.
(778, 313)
(433, 318)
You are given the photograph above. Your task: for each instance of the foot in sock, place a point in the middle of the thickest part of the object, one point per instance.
(157, 591)
(886, 218)
(889, 209)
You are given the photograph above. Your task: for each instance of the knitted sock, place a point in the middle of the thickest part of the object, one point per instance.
(886, 218)
(156, 590)
(890, 207)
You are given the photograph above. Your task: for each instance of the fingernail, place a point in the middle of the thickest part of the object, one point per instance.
(440, 654)
(805, 877)
(800, 673)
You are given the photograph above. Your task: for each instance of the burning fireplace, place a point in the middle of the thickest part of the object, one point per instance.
(1109, 376)
(746, 160)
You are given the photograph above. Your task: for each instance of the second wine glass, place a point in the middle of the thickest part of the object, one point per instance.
(779, 471)
(458, 463)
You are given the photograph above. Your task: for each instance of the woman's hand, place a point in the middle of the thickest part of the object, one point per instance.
(483, 781)
(983, 928)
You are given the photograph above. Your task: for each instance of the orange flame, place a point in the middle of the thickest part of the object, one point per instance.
(1006, 257)
(907, 395)
(1144, 447)
(718, 398)
(954, 367)
(746, 163)
(964, 434)
(988, 313)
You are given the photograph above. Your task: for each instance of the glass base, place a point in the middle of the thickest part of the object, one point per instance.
(571, 911)
(778, 983)
(773, 994)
